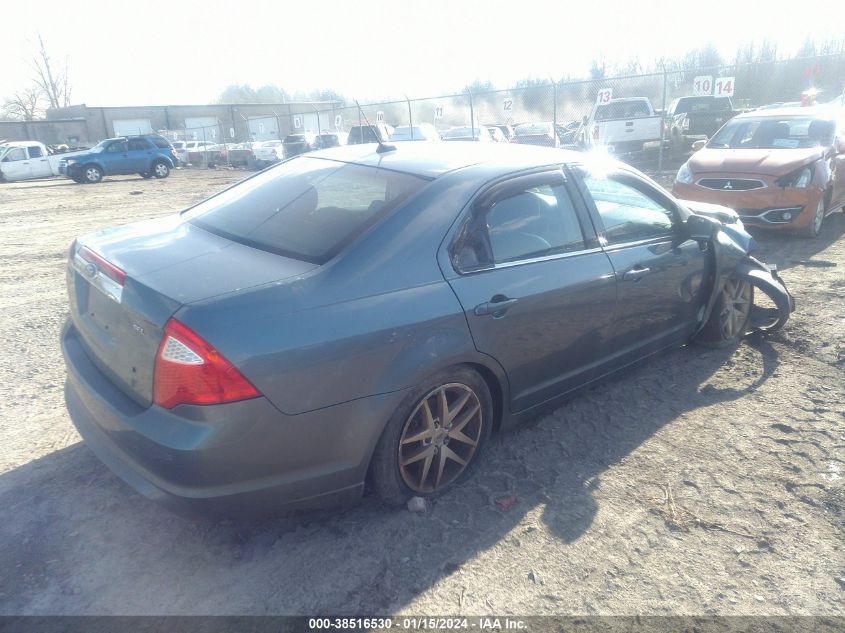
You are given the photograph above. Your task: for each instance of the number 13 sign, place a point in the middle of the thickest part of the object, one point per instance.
(604, 96)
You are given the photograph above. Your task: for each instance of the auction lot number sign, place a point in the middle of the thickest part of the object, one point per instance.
(705, 86)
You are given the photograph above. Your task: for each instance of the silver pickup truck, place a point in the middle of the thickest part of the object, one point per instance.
(622, 126)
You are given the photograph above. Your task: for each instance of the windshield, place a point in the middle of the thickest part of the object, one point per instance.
(531, 129)
(459, 132)
(306, 208)
(774, 133)
(101, 146)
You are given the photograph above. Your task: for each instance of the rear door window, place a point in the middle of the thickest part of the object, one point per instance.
(35, 152)
(306, 208)
(138, 144)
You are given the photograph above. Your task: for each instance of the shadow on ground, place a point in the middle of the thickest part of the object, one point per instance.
(76, 540)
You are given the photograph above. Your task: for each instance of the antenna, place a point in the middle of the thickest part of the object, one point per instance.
(383, 148)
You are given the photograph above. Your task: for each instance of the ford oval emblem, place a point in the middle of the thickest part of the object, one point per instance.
(90, 270)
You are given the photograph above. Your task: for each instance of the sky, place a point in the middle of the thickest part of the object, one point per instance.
(185, 51)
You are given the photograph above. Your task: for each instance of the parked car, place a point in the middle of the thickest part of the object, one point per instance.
(237, 154)
(25, 160)
(147, 155)
(622, 126)
(364, 317)
(567, 133)
(468, 133)
(536, 134)
(326, 140)
(181, 148)
(268, 152)
(690, 119)
(779, 169)
(296, 144)
(506, 130)
(358, 134)
(421, 132)
(496, 135)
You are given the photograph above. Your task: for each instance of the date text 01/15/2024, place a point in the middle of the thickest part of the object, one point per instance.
(418, 623)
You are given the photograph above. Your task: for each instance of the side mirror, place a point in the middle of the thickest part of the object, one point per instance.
(700, 227)
(699, 144)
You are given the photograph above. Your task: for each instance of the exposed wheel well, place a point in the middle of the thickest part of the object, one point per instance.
(496, 393)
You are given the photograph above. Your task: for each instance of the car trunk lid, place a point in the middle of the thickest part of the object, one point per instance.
(167, 263)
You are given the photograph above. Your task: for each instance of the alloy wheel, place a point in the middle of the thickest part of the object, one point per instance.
(818, 217)
(440, 438)
(736, 304)
(161, 170)
(92, 174)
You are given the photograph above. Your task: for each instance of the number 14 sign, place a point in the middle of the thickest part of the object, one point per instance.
(705, 85)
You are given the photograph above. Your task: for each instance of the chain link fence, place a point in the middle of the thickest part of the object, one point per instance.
(641, 106)
(569, 106)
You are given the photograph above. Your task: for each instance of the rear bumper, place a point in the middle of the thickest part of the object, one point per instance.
(234, 459)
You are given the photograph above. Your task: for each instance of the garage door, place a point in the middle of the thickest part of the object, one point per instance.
(127, 127)
(202, 128)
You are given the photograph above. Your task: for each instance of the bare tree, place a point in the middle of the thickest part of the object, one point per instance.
(51, 79)
(25, 105)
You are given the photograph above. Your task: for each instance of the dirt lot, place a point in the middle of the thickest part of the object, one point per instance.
(703, 482)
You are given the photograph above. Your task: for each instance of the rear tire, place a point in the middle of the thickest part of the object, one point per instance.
(426, 448)
(160, 169)
(729, 318)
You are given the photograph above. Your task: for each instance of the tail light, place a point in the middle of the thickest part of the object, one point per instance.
(101, 273)
(173, 152)
(595, 132)
(188, 370)
(105, 267)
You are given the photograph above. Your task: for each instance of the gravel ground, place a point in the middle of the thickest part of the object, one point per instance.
(702, 482)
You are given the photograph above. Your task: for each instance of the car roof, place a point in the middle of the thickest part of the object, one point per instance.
(822, 113)
(434, 159)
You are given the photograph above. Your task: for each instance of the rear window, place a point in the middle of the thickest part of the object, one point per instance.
(363, 134)
(702, 104)
(306, 208)
(294, 138)
(160, 141)
(622, 110)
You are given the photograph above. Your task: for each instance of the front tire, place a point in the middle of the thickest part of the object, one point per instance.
(146, 176)
(92, 174)
(160, 169)
(729, 319)
(813, 229)
(435, 438)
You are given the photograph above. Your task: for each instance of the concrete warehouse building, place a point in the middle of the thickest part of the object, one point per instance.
(219, 123)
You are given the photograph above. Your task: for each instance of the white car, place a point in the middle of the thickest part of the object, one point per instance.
(269, 152)
(181, 148)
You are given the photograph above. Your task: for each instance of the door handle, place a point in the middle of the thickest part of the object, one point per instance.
(496, 307)
(635, 274)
